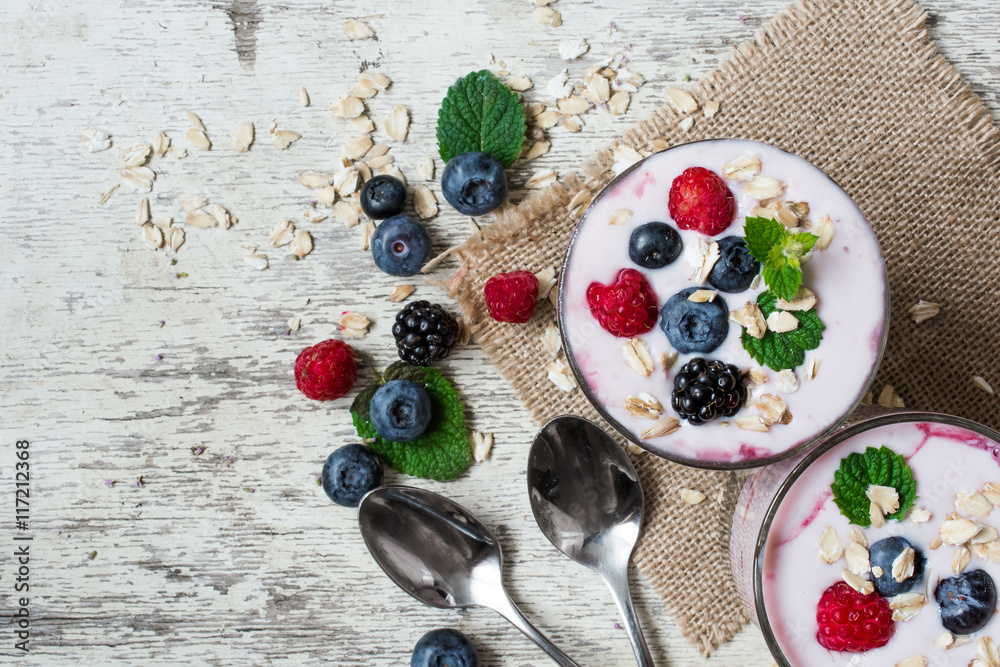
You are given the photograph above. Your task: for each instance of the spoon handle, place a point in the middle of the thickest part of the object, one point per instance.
(509, 610)
(618, 583)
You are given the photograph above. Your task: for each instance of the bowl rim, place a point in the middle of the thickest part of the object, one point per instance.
(868, 424)
(627, 433)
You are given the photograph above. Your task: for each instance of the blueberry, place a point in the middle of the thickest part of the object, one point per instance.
(400, 410)
(694, 327)
(883, 553)
(967, 601)
(383, 197)
(349, 473)
(444, 648)
(654, 245)
(400, 246)
(474, 183)
(736, 267)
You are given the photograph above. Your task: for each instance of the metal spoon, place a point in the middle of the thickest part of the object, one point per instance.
(587, 500)
(441, 554)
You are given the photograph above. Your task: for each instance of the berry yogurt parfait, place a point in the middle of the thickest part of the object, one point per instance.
(723, 304)
(879, 548)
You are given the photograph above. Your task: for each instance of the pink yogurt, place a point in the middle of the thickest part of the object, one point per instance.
(848, 277)
(945, 459)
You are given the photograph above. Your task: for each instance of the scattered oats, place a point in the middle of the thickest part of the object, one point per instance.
(96, 141)
(551, 340)
(992, 491)
(830, 547)
(876, 515)
(596, 87)
(222, 216)
(557, 88)
(620, 217)
(985, 535)
(913, 660)
(302, 245)
(482, 443)
(935, 543)
(944, 640)
(960, 560)
(400, 292)
(546, 281)
(763, 187)
(355, 29)
(325, 196)
(823, 228)
(346, 181)
(973, 503)
(197, 139)
(572, 123)
(668, 359)
(464, 333)
(369, 83)
(139, 178)
(958, 531)
(781, 322)
(357, 147)
(579, 203)
(347, 212)
(902, 566)
(541, 179)
(681, 100)
(153, 235)
(425, 169)
(750, 318)
(625, 157)
(361, 124)
(424, 202)
(303, 96)
(535, 108)
(789, 213)
(920, 515)
(367, 230)
(243, 137)
(142, 215)
(857, 558)
(703, 259)
(618, 104)
(285, 138)
(556, 20)
(987, 653)
(637, 356)
(195, 122)
(376, 150)
(855, 534)
(773, 410)
(378, 163)
(756, 376)
(572, 49)
(889, 398)
(886, 496)
(788, 381)
(136, 155)
(643, 406)
(163, 222)
(272, 126)
(687, 123)
(559, 374)
(862, 586)
(572, 105)
(177, 153)
(537, 149)
(519, 83)
(702, 296)
(922, 311)
(314, 180)
(353, 325)
(175, 238)
(256, 261)
(805, 299)
(661, 428)
(711, 108)
(753, 423)
(347, 107)
(982, 384)
(200, 219)
(692, 497)
(192, 202)
(107, 195)
(397, 123)
(294, 323)
(391, 170)
(989, 551)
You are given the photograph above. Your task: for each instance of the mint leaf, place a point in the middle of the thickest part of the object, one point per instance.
(806, 240)
(479, 113)
(762, 234)
(362, 403)
(784, 281)
(442, 452)
(882, 467)
(781, 351)
(402, 370)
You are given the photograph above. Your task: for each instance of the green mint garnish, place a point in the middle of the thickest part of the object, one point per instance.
(780, 351)
(780, 252)
(882, 467)
(479, 113)
(444, 451)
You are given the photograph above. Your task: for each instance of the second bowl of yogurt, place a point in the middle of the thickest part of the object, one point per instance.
(724, 304)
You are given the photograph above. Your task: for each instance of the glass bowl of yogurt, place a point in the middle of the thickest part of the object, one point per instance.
(782, 362)
(793, 543)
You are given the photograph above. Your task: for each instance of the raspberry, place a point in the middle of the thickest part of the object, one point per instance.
(700, 200)
(625, 308)
(326, 371)
(511, 297)
(851, 621)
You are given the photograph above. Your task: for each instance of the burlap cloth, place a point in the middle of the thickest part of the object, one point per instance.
(857, 88)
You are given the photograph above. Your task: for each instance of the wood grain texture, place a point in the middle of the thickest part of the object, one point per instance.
(115, 368)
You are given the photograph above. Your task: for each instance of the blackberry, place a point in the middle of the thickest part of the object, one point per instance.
(424, 333)
(706, 389)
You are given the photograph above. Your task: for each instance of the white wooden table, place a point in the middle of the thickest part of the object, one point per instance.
(116, 369)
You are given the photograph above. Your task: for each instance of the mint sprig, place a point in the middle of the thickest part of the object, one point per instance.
(780, 351)
(882, 467)
(780, 252)
(444, 450)
(481, 114)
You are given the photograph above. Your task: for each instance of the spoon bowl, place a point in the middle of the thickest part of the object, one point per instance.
(441, 554)
(587, 500)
